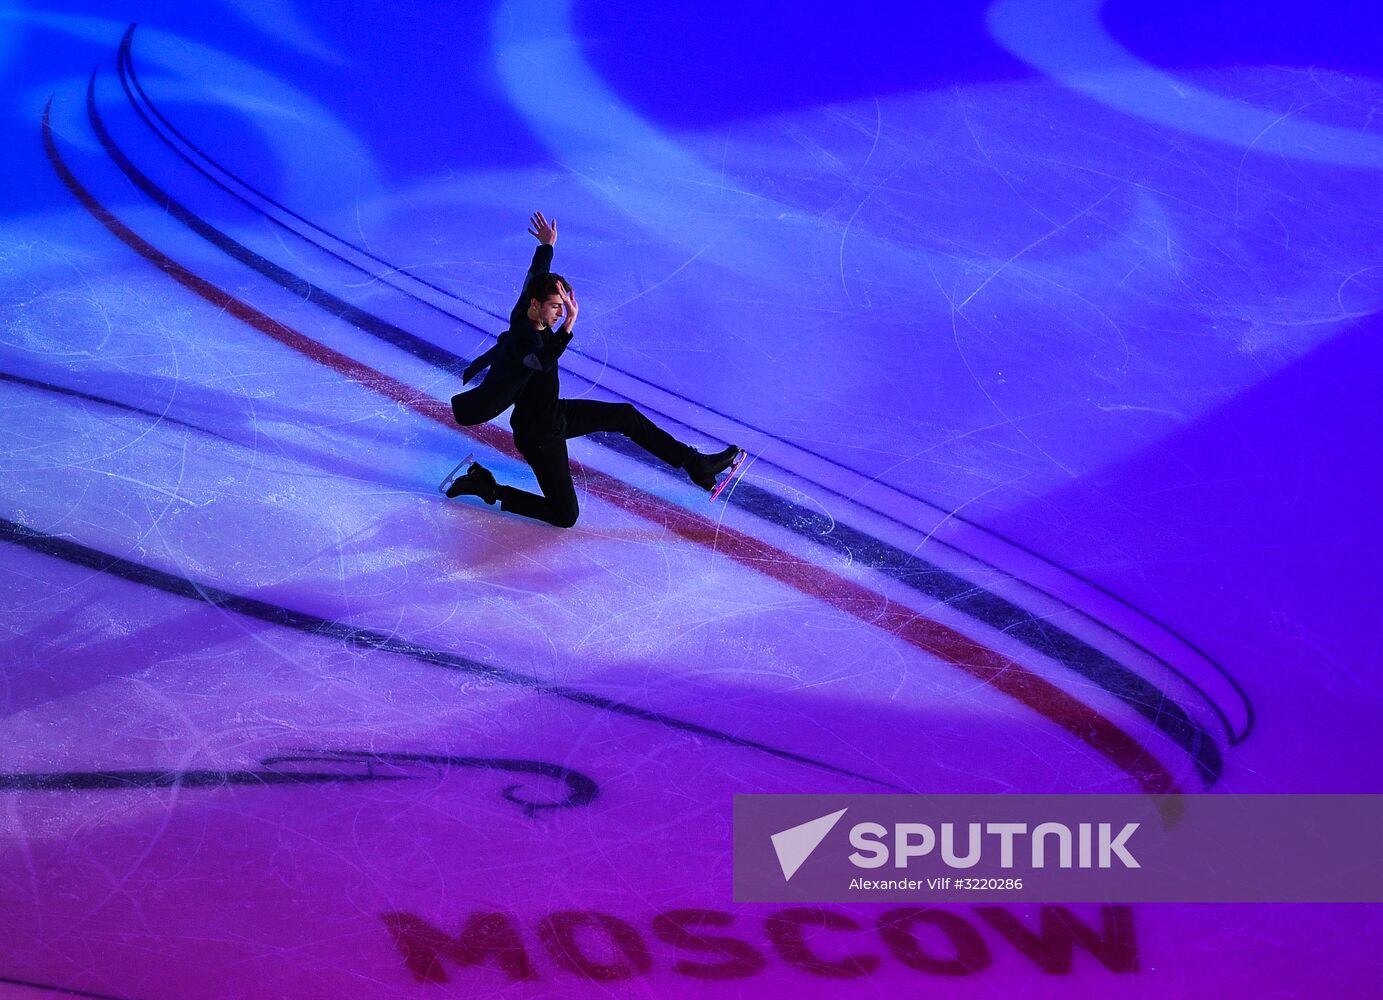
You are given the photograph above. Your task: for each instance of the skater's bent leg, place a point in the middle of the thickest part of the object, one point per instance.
(557, 505)
(586, 416)
(539, 508)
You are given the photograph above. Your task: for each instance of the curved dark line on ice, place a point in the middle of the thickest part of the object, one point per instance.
(157, 417)
(66, 991)
(135, 779)
(581, 790)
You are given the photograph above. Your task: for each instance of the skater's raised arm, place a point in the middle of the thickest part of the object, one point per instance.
(528, 345)
(542, 264)
(546, 234)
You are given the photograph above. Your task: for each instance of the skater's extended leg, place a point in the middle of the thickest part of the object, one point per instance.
(586, 416)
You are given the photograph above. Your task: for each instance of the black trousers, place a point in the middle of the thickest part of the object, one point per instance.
(546, 455)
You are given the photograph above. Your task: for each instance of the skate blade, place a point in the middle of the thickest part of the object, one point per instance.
(451, 476)
(730, 474)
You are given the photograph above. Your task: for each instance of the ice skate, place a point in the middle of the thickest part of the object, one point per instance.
(450, 477)
(477, 482)
(703, 469)
(730, 476)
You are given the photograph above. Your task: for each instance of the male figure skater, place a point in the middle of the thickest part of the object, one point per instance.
(523, 371)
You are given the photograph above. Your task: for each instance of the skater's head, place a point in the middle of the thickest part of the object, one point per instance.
(545, 299)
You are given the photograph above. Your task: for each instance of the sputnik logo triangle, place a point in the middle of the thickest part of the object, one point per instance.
(795, 845)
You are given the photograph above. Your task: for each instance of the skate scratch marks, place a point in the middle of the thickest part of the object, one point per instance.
(1002, 674)
(1110, 675)
(103, 562)
(1033, 246)
(989, 162)
(155, 416)
(913, 572)
(660, 282)
(1066, 38)
(171, 494)
(845, 232)
(974, 376)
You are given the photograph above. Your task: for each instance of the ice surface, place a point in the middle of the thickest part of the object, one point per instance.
(1055, 354)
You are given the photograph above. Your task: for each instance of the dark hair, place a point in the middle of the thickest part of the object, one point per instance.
(543, 286)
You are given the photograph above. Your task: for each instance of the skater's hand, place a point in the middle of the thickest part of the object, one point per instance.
(545, 231)
(568, 295)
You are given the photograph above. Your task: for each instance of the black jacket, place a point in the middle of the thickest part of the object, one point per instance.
(508, 380)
